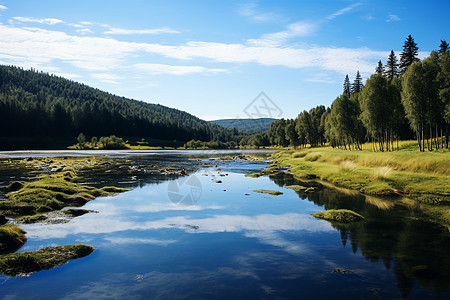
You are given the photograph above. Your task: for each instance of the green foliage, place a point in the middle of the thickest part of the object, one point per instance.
(195, 144)
(33, 103)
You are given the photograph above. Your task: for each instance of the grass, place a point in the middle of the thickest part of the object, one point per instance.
(26, 263)
(275, 193)
(339, 215)
(422, 176)
(11, 238)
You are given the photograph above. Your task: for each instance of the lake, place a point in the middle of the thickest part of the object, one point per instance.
(210, 236)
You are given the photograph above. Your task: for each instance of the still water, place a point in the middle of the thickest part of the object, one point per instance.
(228, 242)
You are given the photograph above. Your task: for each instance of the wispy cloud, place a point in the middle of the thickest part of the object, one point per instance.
(107, 77)
(2, 7)
(40, 48)
(393, 18)
(343, 11)
(279, 38)
(85, 31)
(120, 31)
(250, 10)
(46, 21)
(157, 69)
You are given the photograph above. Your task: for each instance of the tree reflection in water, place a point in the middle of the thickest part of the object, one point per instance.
(399, 234)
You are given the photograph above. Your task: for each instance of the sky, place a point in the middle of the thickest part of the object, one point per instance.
(214, 59)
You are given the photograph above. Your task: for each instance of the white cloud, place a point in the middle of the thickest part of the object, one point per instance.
(39, 47)
(85, 31)
(107, 77)
(250, 10)
(120, 31)
(130, 241)
(279, 38)
(76, 25)
(47, 21)
(393, 18)
(343, 11)
(2, 7)
(156, 69)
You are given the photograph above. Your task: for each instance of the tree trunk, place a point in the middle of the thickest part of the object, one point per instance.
(423, 140)
(436, 138)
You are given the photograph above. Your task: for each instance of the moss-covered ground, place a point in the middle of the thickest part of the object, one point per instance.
(49, 186)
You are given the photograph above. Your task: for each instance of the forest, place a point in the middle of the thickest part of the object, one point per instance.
(36, 104)
(403, 99)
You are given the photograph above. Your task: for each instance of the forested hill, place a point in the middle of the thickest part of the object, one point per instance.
(246, 125)
(38, 104)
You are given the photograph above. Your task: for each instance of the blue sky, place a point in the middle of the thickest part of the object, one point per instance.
(212, 58)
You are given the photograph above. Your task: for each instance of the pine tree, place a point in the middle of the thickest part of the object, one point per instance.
(347, 86)
(357, 84)
(391, 69)
(379, 69)
(443, 47)
(409, 54)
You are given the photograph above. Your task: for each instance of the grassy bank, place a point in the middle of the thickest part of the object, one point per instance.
(422, 177)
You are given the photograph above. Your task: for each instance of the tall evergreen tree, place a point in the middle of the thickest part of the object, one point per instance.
(347, 86)
(391, 69)
(380, 68)
(409, 54)
(443, 47)
(357, 84)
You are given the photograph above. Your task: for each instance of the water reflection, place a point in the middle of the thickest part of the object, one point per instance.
(395, 233)
(234, 243)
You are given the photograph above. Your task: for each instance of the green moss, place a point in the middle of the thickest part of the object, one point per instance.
(31, 219)
(15, 186)
(76, 212)
(339, 215)
(11, 238)
(254, 175)
(297, 188)
(113, 189)
(49, 193)
(275, 193)
(25, 263)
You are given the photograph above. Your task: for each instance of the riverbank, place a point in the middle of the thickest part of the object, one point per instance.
(422, 177)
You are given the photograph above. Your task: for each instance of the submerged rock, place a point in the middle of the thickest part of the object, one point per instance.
(3, 220)
(342, 271)
(339, 215)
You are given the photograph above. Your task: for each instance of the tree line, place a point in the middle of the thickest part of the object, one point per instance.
(38, 104)
(403, 99)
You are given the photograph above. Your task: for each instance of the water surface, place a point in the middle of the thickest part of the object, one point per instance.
(235, 243)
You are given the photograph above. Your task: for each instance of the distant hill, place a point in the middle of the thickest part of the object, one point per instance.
(36, 104)
(246, 125)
